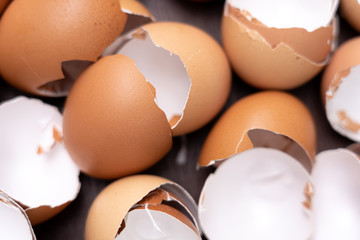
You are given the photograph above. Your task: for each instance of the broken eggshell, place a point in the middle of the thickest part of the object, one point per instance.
(275, 192)
(14, 223)
(339, 85)
(143, 99)
(201, 80)
(32, 61)
(137, 14)
(124, 131)
(350, 10)
(280, 52)
(276, 111)
(142, 207)
(36, 171)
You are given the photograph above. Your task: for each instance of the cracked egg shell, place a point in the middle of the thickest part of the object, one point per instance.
(350, 9)
(37, 37)
(276, 111)
(269, 52)
(339, 85)
(137, 14)
(122, 131)
(204, 61)
(124, 207)
(36, 171)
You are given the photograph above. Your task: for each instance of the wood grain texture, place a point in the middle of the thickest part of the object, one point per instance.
(70, 223)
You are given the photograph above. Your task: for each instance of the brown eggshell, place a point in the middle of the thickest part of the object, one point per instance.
(112, 204)
(311, 45)
(271, 110)
(207, 66)
(112, 125)
(260, 65)
(3, 4)
(350, 9)
(345, 57)
(37, 36)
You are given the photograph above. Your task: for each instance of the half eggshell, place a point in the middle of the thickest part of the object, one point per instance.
(142, 207)
(36, 169)
(276, 111)
(200, 81)
(37, 37)
(279, 52)
(339, 86)
(122, 131)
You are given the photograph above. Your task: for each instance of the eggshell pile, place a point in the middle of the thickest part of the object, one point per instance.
(276, 111)
(339, 89)
(142, 207)
(277, 194)
(350, 9)
(278, 44)
(57, 38)
(174, 79)
(36, 171)
(14, 223)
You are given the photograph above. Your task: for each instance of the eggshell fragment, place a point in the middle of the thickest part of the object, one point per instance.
(339, 90)
(279, 52)
(278, 112)
(14, 223)
(36, 169)
(53, 32)
(122, 200)
(203, 61)
(137, 14)
(123, 131)
(350, 9)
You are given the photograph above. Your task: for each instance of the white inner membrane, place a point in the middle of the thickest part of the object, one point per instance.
(13, 222)
(336, 200)
(146, 224)
(257, 194)
(164, 70)
(32, 178)
(346, 99)
(307, 14)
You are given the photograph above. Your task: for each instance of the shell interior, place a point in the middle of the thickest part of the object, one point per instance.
(164, 70)
(14, 223)
(37, 169)
(307, 14)
(343, 102)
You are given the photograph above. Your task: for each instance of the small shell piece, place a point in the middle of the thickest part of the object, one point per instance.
(270, 110)
(144, 207)
(36, 169)
(137, 14)
(339, 86)
(14, 223)
(279, 45)
(350, 9)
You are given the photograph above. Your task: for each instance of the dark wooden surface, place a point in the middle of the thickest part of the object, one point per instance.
(70, 223)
